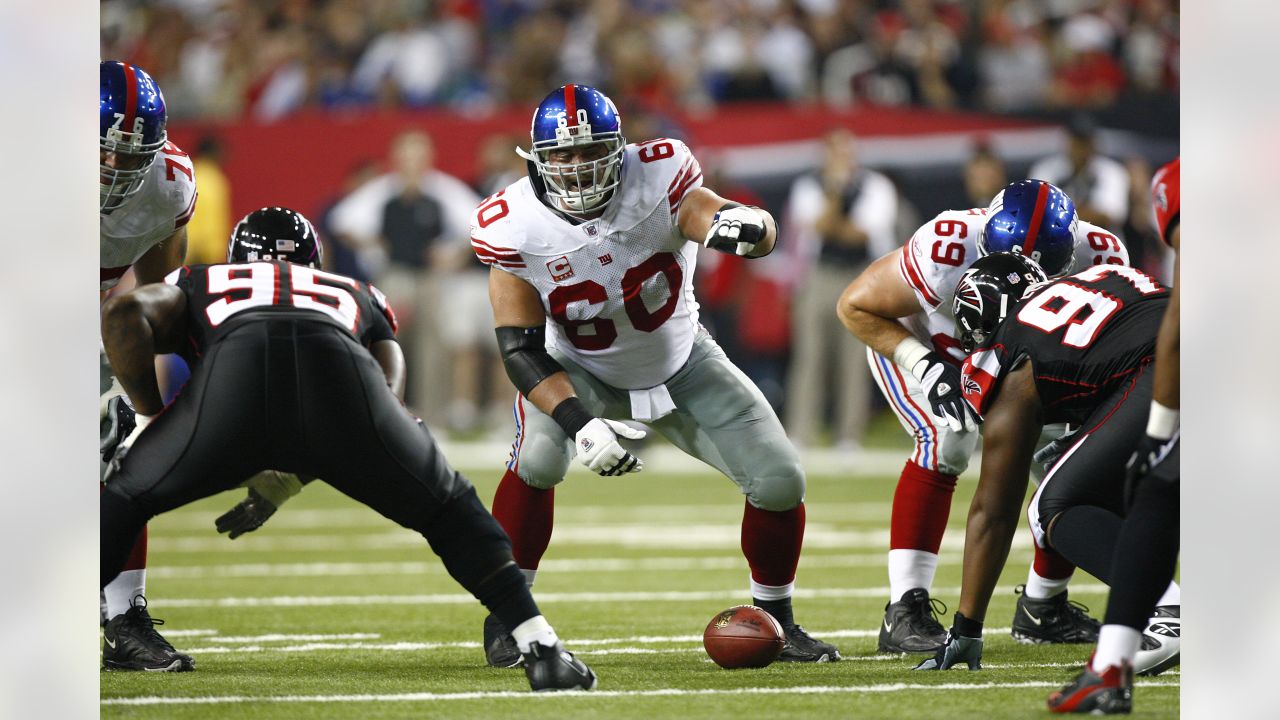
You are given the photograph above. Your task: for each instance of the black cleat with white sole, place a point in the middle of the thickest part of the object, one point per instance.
(500, 649)
(911, 624)
(1052, 620)
(802, 647)
(130, 642)
(553, 669)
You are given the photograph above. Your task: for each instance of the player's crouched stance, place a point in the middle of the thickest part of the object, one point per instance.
(592, 259)
(298, 370)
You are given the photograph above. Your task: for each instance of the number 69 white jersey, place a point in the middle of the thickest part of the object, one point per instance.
(943, 248)
(617, 290)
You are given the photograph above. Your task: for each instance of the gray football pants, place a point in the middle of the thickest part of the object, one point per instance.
(721, 418)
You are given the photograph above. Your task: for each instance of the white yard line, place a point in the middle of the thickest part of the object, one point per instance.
(550, 566)
(661, 692)
(551, 597)
(674, 535)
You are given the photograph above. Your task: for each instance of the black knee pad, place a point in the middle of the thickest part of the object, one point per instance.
(471, 543)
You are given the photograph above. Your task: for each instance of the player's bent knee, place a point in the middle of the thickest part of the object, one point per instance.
(472, 545)
(778, 491)
(543, 462)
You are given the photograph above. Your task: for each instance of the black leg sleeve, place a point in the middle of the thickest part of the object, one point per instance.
(1146, 555)
(120, 521)
(1086, 535)
(477, 553)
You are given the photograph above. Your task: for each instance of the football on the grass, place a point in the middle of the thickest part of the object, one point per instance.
(743, 637)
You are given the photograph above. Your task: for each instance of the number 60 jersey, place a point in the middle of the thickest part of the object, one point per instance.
(617, 290)
(943, 248)
(220, 296)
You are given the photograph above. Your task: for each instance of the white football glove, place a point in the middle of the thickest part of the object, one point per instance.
(736, 230)
(940, 381)
(598, 447)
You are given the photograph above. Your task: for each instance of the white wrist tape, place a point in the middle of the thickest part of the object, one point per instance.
(909, 352)
(1162, 421)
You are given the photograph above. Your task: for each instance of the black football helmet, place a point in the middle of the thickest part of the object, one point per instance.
(275, 233)
(987, 291)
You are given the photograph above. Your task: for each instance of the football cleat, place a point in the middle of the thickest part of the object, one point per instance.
(130, 642)
(1108, 693)
(1052, 620)
(802, 647)
(1161, 646)
(551, 669)
(911, 624)
(500, 649)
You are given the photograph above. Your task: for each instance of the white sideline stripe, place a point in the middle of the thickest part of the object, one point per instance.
(702, 536)
(662, 692)
(460, 599)
(275, 637)
(572, 565)
(195, 632)
(357, 516)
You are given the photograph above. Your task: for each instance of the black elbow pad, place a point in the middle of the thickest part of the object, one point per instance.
(525, 357)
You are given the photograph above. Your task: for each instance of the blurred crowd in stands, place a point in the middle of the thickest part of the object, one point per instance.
(267, 59)
(401, 223)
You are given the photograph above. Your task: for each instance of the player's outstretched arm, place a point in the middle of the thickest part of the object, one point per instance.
(521, 330)
(164, 258)
(1011, 429)
(136, 327)
(1168, 353)
(723, 225)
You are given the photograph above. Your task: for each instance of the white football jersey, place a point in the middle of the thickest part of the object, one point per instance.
(943, 248)
(617, 290)
(165, 203)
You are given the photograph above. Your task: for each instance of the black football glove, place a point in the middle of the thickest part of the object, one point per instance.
(735, 230)
(941, 383)
(117, 423)
(247, 516)
(1049, 454)
(956, 650)
(1145, 461)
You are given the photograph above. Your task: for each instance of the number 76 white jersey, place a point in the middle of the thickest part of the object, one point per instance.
(617, 290)
(943, 248)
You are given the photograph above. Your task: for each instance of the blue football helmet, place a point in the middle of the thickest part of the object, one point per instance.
(275, 233)
(1035, 219)
(573, 116)
(131, 130)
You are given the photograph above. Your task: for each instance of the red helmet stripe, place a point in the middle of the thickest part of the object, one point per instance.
(570, 106)
(130, 97)
(1042, 199)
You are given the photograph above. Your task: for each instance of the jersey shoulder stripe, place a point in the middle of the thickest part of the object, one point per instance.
(912, 275)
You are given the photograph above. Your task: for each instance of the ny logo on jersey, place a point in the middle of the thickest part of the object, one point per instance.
(560, 269)
(605, 259)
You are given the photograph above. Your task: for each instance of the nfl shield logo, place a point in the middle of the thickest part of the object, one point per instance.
(591, 229)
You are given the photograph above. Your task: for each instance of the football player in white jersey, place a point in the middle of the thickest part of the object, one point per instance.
(147, 193)
(901, 308)
(592, 258)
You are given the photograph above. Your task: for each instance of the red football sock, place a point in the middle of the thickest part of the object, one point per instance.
(921, 505)
(771, 542)
(138, 556)
(1050, 565)
(527, 514)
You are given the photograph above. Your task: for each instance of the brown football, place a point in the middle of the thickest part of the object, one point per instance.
(743, 637)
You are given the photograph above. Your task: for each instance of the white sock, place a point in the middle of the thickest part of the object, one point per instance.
(529, 576)
(1171, 596)
(910, 569)
(119, 593)
(1116, 643)
(534, 630)
(772, 592)
(1041, 588)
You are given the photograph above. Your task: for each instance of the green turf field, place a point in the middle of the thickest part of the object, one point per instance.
(331, 611)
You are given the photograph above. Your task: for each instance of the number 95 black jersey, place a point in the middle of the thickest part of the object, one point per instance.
(1084, 334)
(220, 297)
